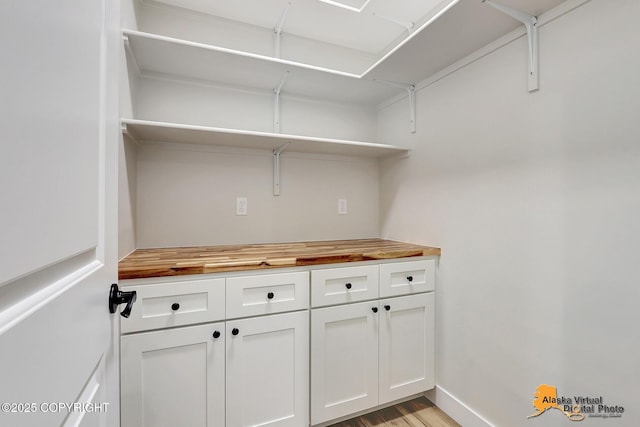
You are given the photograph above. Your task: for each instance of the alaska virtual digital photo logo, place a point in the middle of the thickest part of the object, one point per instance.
(546, 397)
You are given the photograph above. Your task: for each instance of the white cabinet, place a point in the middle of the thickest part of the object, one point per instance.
(269, 360)
(369, 353)
(240, 372)
(173, 377)
(268, 370)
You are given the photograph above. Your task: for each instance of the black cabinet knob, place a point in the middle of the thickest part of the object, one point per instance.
(175, 306)
(348, 285)
(374, 309)
(235, 331)
(270, 295)
(216, 334)
(387, 307)
(410, 278)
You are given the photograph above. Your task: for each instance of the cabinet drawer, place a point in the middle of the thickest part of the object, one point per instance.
(401, 278)
(265, 294)
(342, 285)
(165, 305)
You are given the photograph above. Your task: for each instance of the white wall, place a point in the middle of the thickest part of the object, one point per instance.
(187, 196)
(535, 201)
(177, 195)
(207, 104)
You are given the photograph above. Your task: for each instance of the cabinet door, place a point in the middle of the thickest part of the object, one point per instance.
(344, 360)
(406, 346)
(268, 370)
(173, 377)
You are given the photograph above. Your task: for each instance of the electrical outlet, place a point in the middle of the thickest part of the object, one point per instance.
(241, 206)
(342, 207)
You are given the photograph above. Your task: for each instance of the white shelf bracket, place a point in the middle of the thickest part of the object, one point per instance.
(531, 23)
(276, 103)
(278, 31)
(408, 25)
(276, 168)
(125, 39)
(411, 91)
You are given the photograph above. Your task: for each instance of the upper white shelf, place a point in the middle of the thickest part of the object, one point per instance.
(144, 130)
(160, 55)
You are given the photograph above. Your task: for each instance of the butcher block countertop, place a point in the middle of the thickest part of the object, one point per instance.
(144, 263)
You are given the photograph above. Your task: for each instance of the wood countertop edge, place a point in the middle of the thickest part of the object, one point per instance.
(149, 263)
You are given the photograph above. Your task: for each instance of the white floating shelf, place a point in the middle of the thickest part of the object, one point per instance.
(160, 55)
(144, 130)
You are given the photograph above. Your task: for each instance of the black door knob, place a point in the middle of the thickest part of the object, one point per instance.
(270, 295)
(387, 307)
(348, 285)
(410, 278)
(175, 306)
(374, 309)
(235, 331)
(216, 334)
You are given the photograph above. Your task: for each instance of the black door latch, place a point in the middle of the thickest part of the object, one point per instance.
(117, 297)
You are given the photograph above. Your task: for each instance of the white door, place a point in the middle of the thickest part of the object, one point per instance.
(58, 148)
(406, 346)
(344, 360)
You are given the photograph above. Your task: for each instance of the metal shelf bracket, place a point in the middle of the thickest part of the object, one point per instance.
(531, 23)
(278, 31)
(411, 91)
(276, 168)
(409, 26)
(276, 103)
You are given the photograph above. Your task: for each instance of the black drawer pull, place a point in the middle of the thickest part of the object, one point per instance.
(374, 309)
(387, 307)
(410, 278)
(348, 285)
(235, 331)
(270, 295)
(175, 306)
(216, 334)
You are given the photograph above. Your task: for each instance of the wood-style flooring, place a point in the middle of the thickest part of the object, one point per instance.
(413, 413)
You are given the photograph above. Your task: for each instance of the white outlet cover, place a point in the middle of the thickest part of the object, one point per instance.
(342, 207)
(241, 206)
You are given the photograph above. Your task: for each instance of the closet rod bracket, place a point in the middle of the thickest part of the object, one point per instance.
(411, 91)
(276, 168)
(531, 24)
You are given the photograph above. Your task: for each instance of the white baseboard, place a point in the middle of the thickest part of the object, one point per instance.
(452, 406)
